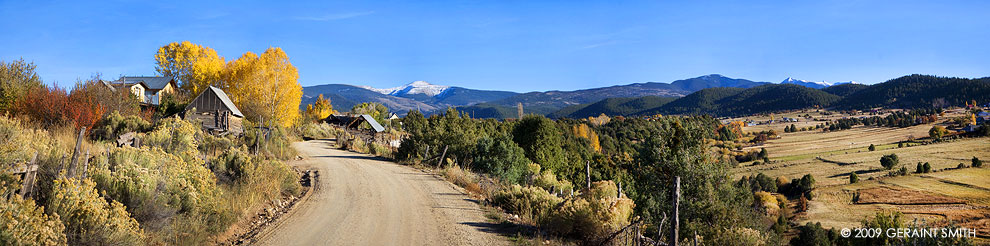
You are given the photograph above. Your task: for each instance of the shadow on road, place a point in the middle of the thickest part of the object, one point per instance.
(506, 229)
(358, 157)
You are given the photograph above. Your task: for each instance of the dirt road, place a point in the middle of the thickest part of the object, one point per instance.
(361, 200)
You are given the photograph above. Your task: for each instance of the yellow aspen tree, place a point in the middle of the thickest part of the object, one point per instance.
(320, 109)
(265, 87)
(194, 66)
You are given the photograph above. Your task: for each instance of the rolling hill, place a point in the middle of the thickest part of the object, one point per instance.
(918, 91)
(612, 106)
(738, 101)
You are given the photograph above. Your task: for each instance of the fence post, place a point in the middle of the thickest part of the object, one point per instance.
(30, 174)
(444, 155)
(676, 222)
(587, 165)
(75, 153)
(85, 165)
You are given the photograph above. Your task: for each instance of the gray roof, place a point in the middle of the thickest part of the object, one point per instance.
(226, 101)
(223, 99)
(374, 124)
(153, 83)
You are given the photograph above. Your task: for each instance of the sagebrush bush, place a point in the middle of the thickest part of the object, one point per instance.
(19, 144)
(548, 181)
(462, 178)
(594, 215)
(278, 143)
(533, 203)
(317, 130)
(740, 236)
(91, 219)
(766, 201)
(114, 124)
(156, 185)
(24, 223)
(174, 136)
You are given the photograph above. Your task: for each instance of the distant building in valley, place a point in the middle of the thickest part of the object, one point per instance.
(216, 111)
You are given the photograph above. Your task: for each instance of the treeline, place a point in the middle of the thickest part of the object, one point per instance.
(895, 119)
(538, 163)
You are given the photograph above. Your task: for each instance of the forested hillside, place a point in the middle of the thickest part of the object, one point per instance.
(613, 106)
(843, 90)
(918, 91)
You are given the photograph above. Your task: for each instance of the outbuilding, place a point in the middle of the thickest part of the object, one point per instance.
(217, 112)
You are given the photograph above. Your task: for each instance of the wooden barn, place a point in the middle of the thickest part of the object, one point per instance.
(216, 111)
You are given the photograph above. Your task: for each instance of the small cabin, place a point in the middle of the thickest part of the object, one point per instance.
(217, 113)
(353, 122)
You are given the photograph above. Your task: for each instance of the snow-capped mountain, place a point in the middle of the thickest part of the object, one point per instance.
(417, 87)
(812, 84)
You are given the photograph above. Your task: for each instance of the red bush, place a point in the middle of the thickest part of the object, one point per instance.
(53, 106)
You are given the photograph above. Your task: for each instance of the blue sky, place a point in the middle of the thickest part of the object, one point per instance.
(515, 45)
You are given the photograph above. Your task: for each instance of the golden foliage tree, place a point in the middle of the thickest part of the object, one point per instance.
(320, 109)
(194, 66)
(265, 87)
(586, 132)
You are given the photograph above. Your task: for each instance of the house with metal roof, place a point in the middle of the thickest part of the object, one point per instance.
(216, 111)
(154, 87)
(353, 122)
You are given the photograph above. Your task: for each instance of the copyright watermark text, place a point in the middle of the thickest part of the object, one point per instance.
(908, 232)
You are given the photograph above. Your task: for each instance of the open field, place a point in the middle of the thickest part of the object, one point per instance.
(819, 153)
(959, 195)
(929, 197)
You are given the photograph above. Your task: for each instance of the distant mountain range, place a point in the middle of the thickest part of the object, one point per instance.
(913, 91)
(430, 98)
(813, 84)
(710, 94)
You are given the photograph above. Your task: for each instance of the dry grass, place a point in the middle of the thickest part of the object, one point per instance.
(912, 195)
(902, 196)
(960, 195)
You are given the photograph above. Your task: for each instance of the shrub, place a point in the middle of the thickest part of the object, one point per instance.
(889, 161)
(594, 215)
(317, 130)
(853, 178)
(176, 137)
(502, 158)
(765, 201)
(89, 218)
(741, 236)
(927, 167)
(548, 181)
(919, 168)
(813, 234)
(17, 78)
(977, 162)
(462, 178)
(533, 203)
(937, 132)
(872, 147)
(155, 185)
(24, 223)
(115, 124)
